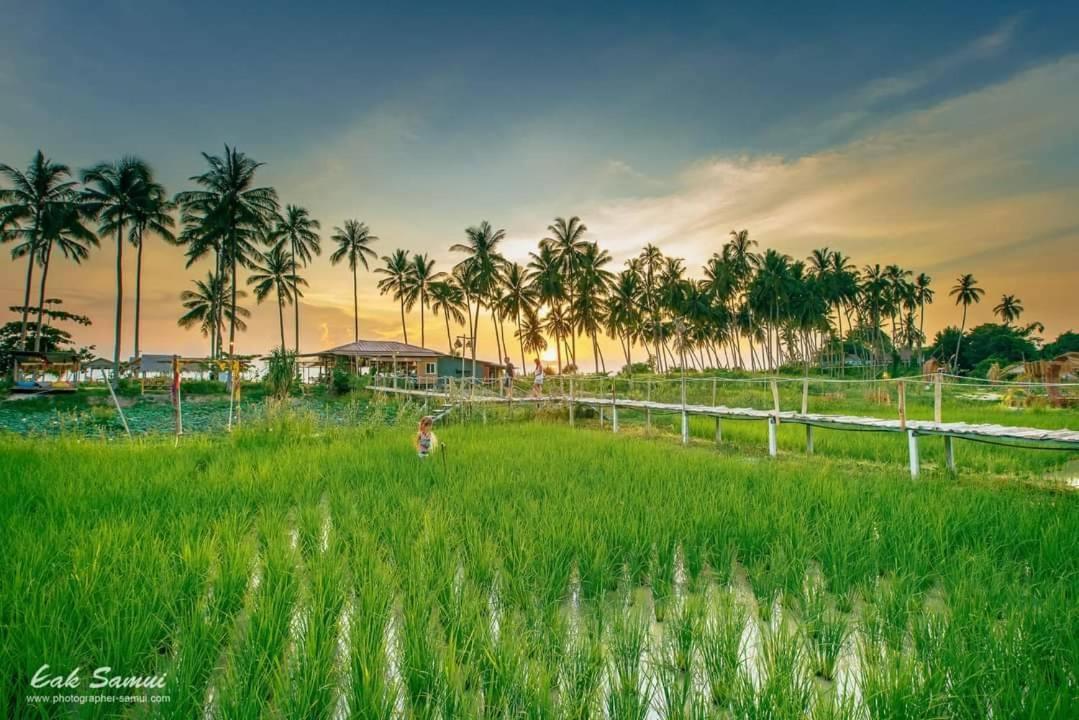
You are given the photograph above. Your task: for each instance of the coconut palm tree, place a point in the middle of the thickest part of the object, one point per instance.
(1008, 309)
(965, 291)
(397, 268)
(592, 281)
(418, 288)
(300, 231)
(548, 284)
(207, 304)
(448, 300)
(354, 244)
(22, 210)
(480, 270)
(531, 334)
(276, 272)
(61, 228)
(152, 216)
(567, 241)
(623, 315)
(114, 193)
(923, 295)
(518, 299)
(651, 259)
(229, 215)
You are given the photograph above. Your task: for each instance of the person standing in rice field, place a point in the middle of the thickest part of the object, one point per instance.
(425, 441)
(537, 379)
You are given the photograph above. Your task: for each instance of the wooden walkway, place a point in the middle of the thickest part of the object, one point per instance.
(998, 434)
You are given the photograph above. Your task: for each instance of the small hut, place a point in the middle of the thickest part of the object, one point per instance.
(44, 372)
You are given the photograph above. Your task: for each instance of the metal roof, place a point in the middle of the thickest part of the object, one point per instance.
(387, 349)
(380, 348)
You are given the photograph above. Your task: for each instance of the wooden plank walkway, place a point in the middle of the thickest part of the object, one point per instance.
(1000, 434)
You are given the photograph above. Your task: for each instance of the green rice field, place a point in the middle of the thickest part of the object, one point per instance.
(304, 569)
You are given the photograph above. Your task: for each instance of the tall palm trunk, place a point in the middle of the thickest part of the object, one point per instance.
(41, 297)
(404, 330)
(296, 305)
(449, 340)
(423, 327)
(138, 294)
(520, 339)
(30, 257)
(120, 297)
(959, 342)
(475, 339)
(921, 331)
(281, 316)
(355, 308)
(232, 319)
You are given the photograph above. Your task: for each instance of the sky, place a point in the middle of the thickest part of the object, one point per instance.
(940, 136)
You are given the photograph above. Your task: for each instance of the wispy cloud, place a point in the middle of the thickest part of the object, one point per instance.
(960, 187)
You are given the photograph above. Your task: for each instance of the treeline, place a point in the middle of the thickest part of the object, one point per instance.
(745, 309)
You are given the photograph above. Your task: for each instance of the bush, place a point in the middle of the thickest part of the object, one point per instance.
(281, 373)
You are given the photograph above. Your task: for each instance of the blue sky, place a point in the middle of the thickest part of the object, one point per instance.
(422, 119)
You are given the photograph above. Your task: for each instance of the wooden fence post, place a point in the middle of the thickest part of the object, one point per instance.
(719, 430)
(614, 407)
(648, 399)
(949, 453)
(809, 439)
(912, 449)
(901, 404)
(685, 428)
(571, 402)
(938, 382)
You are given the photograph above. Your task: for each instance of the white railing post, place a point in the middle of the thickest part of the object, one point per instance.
(912, 448)
(773, 445)
(949, 453)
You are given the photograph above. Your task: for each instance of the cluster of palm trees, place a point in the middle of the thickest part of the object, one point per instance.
(786, 310)
(765, 306)
(46, 210)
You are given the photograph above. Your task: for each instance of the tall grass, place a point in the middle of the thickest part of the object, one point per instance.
(513, 580)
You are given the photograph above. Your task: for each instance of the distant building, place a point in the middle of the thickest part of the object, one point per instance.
(426, 366)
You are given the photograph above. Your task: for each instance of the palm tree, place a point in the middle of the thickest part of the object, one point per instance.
(22, 210)
(1009, 309)
(229, 215)
(531, 334)
(623, 314)
(548, 285)
(923, 294)
(480, 269)
(651, 258)
(61, 227)
(518, 299)
(965, 292)
(207, 304)
(297, 228)
(418, 287)
(115, 193)
(153, 215)
(592, 280)
(448, 300)
(568, 243)
(354, 243)
(397, 269)
(277, 272)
